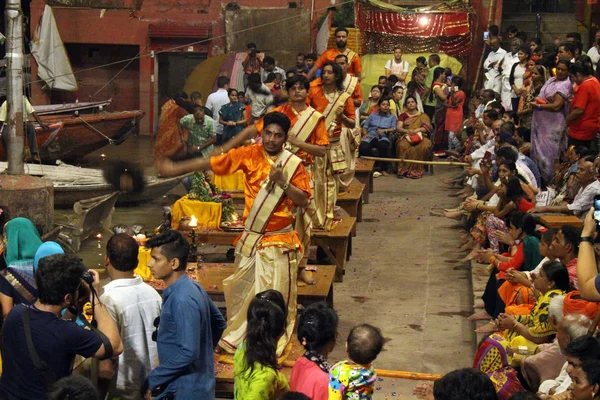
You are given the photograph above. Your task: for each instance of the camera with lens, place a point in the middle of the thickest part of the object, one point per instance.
(87, 278)
(253, 52)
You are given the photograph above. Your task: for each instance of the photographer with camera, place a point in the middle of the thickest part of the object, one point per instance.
(251, 63)
(587, 270)
(39, 346)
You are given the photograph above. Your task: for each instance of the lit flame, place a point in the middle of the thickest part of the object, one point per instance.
(193, 221)
(99, 236)
(234, 217)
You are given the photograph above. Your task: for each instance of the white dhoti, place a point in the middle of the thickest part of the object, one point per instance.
(271, 267)
(325, 193)
(350, 139)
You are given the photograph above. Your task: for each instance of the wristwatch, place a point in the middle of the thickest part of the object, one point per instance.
(285, 186)
(588, 239)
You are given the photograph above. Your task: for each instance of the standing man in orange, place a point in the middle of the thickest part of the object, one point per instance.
(341, 41)
(268, 251)
(307, 139)
(330, 99)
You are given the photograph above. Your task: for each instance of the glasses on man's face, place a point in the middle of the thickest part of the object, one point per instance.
(156, 323)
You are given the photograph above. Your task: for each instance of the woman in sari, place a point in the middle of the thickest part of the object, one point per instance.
(17, 282)
(495, 355)
(515, 196)
(416, 87)
(232, 116)
(370, 105)
(168, 142)
(523, 255)
(414, 127)
(439, 91)
(529, 93)
(548, 125)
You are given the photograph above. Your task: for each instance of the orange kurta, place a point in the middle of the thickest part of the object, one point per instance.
(356, 94)
(253, 161)
(354, 66)
(318, 101)
(319, 135)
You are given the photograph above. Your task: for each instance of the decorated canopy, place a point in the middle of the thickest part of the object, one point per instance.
(442, 28)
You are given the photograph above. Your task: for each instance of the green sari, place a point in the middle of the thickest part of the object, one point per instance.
(22, 240)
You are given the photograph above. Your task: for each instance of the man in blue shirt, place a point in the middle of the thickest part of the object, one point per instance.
(189, 329)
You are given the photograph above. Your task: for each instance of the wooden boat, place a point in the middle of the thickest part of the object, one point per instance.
(67, 108)
(71, 137)
(73, 184)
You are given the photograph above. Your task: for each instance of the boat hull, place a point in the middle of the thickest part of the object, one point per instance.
(72, 137)
(65, 197)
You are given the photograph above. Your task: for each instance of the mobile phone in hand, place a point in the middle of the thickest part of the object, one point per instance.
(597, 211)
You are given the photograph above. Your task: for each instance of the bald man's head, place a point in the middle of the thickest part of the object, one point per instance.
(494, 43)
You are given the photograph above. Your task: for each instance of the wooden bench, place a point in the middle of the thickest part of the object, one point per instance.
(337, 243)
(350, 200)
(556, 221)
(363, 172)
(211, 277)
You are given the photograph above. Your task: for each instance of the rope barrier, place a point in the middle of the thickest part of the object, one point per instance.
(451, 163)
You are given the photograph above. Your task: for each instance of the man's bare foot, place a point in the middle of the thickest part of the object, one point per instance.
(471, 255)
(478, 306)
(447, 181)
(468, 245)
(483, 315)
(490, 327)
(306, 277)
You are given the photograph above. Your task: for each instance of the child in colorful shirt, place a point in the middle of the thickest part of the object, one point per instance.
(354, 379)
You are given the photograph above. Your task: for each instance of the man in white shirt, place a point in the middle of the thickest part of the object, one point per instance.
(395, 66)
(492, 65)
(269, 66)
(135, 307)
(509, 60)
(590, 187)
(577, 351)
(594, 51)
(215, 101)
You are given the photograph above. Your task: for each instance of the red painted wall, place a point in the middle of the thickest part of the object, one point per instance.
(124, 27)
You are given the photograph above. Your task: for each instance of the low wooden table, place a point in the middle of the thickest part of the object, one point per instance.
(351, 200)
(211, 277)
(363, 172)
(337, 243)
(557, 220)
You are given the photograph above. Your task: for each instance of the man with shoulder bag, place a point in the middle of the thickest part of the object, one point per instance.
(39, 346)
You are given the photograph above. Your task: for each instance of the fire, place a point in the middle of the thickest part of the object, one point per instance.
(234, 217)
(193, 222)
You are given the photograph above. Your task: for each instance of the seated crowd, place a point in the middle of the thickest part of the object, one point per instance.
(530, 145)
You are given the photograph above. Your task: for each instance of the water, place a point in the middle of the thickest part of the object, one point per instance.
(134, 149)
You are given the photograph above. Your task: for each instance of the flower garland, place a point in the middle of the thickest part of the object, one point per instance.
(204, 190)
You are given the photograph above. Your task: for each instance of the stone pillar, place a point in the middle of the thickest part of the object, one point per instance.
(29, 197)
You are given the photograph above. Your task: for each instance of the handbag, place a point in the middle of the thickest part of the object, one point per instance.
(415, 138)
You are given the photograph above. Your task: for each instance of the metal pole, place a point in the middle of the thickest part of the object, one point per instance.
(14, 92)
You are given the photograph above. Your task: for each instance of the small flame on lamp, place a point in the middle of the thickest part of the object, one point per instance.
(99, 236)
(193, 222)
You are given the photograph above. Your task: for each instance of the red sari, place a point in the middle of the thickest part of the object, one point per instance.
(168, 142)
